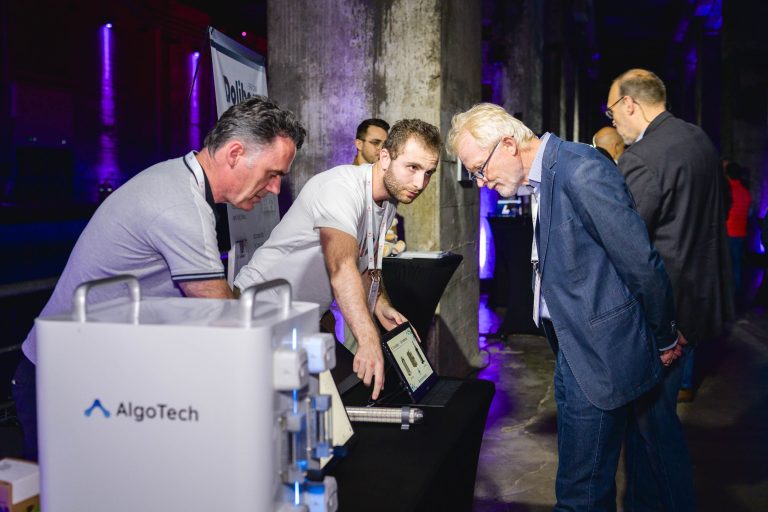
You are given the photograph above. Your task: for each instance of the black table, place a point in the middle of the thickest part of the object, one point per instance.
(512, 239)
(432, 466)
(415, 286)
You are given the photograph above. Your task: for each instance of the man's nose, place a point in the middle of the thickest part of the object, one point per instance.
(274, 185)
(420, 180)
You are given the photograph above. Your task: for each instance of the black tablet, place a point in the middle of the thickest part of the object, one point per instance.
(403, 349)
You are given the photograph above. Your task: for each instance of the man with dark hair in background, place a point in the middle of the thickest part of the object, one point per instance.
(371, 135)
(160, 226)
(329, 245)
(671, 168)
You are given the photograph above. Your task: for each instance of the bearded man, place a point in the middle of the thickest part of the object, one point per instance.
(329, 245)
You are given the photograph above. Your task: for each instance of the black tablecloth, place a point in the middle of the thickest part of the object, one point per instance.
(432, 466)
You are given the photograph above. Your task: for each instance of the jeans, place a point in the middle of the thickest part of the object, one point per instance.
(588, 442)
(736, 245)
(687, 361)
(25, 396)
(659, 474)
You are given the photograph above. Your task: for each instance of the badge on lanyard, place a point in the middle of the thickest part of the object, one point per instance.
(374, 262)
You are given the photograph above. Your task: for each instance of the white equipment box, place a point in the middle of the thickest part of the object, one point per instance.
(183, 404)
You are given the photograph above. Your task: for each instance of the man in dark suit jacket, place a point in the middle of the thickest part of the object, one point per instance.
(673, 173)
(606, 302)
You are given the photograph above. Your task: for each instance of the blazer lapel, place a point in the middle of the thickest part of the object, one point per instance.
(547, 193)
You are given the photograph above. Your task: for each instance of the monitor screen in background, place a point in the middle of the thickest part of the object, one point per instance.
(410, 358)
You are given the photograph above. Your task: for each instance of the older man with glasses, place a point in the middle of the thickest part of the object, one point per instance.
(601, 292)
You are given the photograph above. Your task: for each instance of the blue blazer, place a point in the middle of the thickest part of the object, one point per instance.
(605, 285)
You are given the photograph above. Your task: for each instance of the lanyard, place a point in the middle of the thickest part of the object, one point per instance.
(375, 258)
(535, 260)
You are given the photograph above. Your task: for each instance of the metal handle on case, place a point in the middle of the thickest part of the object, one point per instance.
(81, 294)
(248, 296)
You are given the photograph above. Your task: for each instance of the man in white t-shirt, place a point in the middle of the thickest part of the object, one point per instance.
(160, 225)
(327, 244)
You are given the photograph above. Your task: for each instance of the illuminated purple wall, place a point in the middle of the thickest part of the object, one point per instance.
(194, 102)
(107, 169)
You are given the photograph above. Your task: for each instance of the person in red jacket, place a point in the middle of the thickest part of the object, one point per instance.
(736, 224)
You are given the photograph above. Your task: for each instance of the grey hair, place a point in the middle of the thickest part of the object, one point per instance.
(642, 85)
(255, 122)
(487, 124)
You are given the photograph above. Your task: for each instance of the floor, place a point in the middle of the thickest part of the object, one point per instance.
(726, 425)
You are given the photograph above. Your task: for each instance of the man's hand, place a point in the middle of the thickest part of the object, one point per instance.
(369, 365)
(340, 253)
(388, 316)
(671, 355)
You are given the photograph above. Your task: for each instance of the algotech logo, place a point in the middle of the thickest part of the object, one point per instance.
(139, 413)
(96, 405)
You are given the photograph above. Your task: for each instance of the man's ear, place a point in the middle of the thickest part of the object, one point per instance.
(510, 144)
(384, 159)
(631, 105)
(359, 145)
(233, 150)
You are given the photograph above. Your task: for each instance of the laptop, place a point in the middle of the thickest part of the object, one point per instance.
(419, 383)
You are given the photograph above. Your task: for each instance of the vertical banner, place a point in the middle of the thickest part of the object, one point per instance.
(238, 74)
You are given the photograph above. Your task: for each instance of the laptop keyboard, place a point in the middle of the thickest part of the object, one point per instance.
(440, 393)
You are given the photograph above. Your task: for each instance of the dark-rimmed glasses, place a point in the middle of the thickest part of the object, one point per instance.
(609, 111)
(480, 174)
(377, 143)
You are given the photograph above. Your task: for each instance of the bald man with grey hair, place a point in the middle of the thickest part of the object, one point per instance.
(608, 138)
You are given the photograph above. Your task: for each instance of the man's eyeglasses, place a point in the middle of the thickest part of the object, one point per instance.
(377, 143)
(609, 111)
(480, 174)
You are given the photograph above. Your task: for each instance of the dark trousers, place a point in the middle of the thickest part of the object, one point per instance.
(659, 475)
(25, 398)
(658, 467)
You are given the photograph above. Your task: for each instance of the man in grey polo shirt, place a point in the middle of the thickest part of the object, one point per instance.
(160, 226)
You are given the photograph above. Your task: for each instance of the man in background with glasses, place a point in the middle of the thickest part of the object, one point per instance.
(600, 290)
(370, 138)
(672, 171)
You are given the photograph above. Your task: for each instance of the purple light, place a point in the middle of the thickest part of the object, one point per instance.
(703, 8)
(486, 250)
(483, 247)
(243, 33)
(194, 103)
(692, 61)
(682, 29)
(107, 169)
(596, 56)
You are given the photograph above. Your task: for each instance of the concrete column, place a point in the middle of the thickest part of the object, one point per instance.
(320, 65)
(515, 50)
(336, 62)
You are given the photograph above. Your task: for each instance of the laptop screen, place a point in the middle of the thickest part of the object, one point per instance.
(404, 351)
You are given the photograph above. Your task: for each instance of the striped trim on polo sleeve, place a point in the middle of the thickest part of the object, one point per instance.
(201, 276)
